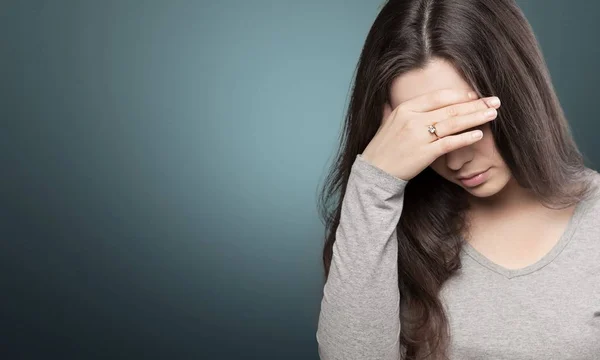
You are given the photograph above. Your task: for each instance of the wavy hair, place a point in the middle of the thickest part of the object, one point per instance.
(493, 47)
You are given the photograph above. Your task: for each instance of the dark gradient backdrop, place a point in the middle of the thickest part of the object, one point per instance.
(160, 163)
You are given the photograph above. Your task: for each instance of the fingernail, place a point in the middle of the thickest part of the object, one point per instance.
(493, 101)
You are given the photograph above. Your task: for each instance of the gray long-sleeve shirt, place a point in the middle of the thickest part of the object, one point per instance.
(547, 310)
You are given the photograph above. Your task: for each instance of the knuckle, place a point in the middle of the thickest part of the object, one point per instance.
(451, 111)
(467, 139)
(474, 107)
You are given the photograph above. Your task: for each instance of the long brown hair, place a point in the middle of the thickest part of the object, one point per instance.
(494, 48)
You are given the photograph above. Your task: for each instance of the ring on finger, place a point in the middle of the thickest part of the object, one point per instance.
(432, 130)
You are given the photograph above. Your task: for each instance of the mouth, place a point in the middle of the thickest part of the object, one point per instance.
(476, 179)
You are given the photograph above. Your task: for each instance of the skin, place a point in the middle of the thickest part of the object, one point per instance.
(508, 224)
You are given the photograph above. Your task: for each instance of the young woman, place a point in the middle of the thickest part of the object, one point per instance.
(442, 244)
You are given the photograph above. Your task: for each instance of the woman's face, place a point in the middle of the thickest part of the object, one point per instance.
(475, 158)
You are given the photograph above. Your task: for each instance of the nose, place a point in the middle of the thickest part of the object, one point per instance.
(457, 158)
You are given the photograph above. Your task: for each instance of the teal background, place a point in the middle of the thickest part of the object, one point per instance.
(161, 162)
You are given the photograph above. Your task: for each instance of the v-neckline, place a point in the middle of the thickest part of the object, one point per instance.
(564, 239)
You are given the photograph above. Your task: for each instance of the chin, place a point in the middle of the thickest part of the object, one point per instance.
(484, 190)
(492, 186)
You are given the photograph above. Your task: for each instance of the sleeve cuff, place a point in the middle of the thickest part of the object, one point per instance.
(377, 176)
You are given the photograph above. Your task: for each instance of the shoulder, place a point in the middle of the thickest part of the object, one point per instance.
(592, 205)
(595, 180)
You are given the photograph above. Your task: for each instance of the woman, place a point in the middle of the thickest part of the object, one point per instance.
(422, 258)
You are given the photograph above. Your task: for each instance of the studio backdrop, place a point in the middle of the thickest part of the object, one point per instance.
(161, 162)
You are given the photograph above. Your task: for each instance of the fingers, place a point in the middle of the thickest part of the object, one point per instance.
(450, 143)
(438, 99)
(460, 123)
(467, 108)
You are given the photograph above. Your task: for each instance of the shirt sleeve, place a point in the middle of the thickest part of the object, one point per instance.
(359, 316)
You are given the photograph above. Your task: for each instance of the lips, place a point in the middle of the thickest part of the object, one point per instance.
(475, 180)
(470, 176)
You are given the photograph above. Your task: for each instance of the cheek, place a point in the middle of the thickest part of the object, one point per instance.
(486, 146)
